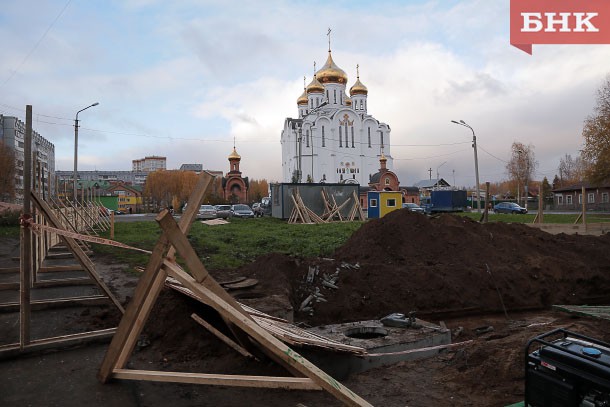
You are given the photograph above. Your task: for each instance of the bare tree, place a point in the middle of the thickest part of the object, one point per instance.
(521, 167)
(571, 170)
(596, 134)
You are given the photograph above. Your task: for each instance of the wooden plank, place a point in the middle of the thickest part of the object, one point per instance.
(64, 282)
(7, 270)
(221, 336)
(76, 250)
(37, 305)
(64, 341)
(269, 382)
(585, 310)
(268, 341)
(137, 312)
(146, 293)
(48, 269)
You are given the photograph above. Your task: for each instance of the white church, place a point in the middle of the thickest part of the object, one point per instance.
(335, 139)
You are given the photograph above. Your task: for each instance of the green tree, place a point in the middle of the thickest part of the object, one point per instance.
(596, 134)
(546, 189)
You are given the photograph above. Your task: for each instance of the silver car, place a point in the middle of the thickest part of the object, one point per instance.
(206, 212)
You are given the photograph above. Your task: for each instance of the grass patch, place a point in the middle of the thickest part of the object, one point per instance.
(236, 243)
(9, 231)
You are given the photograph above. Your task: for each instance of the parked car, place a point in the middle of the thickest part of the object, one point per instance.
(241, 211)
(413, 207)
(206, 212)
(223, 211)
(509, 207)
(258, 209)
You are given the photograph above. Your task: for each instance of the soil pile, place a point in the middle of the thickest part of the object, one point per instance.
(443, 265)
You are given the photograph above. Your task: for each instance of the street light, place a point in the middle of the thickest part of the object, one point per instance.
(76, 147)
(437, 168)
(476, 160)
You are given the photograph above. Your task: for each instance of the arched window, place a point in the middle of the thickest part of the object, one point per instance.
(323, 138)
(369, 133)
(346, 135)
(381, 138)
(307, 138)
(335, 95)
(360, 104)
(340, 136)
(353, 137)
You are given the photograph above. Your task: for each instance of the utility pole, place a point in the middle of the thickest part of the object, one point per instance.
(430, 171)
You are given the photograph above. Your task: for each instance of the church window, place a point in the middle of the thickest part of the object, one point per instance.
(360, 104)
(327, 98)
(340, 136)
(381, 138)
(353, 137)
(365, 105)
(346, 136)
(311, 102)
(335, 94)
(317, 102)
(323, 138)
(307, 138)
(369, 130)
(387, 181)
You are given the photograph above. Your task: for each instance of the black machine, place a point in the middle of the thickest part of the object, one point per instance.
(567, 370)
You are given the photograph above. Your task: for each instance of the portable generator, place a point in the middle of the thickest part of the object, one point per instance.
(567, 370)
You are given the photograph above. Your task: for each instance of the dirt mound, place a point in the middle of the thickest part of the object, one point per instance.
(443, 265)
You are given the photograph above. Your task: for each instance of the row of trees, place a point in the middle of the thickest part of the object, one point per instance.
(592, 165)
(7, 173)
(174, 187)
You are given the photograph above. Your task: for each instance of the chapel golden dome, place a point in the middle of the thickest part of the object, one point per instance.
(358, 88)
(234, 155)
(331, 73)
(348, 101)
(302, 100)
(315, 86)
(383, 158)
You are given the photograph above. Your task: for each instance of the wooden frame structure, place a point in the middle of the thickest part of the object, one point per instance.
(332, 211)
(33, 251)
(248, 333)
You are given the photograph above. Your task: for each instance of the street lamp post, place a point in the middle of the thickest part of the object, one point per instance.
(437, 168)
(476, 160)
(76, 148)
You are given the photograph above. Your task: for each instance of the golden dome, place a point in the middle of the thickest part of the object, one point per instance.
(234, 155)
(331, 73)
(382, 158)
(348, 101)
(302, 100)
(358, 88)
(315, 86)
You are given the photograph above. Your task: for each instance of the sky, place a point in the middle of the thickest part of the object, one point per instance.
(186, 79)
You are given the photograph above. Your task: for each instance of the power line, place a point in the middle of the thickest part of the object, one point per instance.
(35, 45)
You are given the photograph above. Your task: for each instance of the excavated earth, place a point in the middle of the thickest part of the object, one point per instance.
(498, 276)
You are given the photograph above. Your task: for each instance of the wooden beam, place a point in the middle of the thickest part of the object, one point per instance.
(137, 312)
(6, 270)
(64, 282)
(65, 341)
(37, 305)
(287, 355)
(269, 382)
(76, 250)
(48, 269)
(221, 336)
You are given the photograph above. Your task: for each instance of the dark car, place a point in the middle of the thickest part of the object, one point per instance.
(223, 211)
(509, 207)
(413, 207)
(241, 211)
